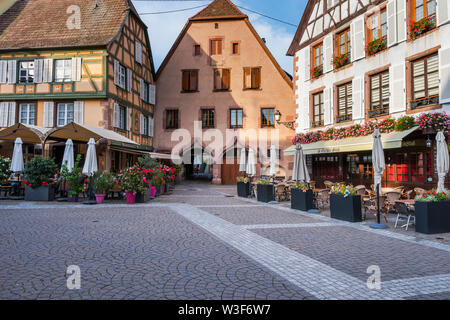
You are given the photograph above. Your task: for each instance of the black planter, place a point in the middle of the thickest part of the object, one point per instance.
(39, 194)
(346, 209)
(301, 200)
(242, 189)
(432, 217)
(265, 192)
(158, 191)
(143, 197)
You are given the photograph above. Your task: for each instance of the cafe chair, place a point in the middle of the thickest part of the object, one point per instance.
(403, 211)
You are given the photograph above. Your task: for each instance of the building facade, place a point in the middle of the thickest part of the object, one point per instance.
(220, 73)
(77, 66)
(357, 61)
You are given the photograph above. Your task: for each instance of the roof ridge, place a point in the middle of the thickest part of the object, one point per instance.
(219, 9)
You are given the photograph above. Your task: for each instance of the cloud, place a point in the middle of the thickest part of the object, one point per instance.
(164, 29)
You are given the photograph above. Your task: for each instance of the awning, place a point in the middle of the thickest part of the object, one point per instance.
(28, 133)
(164, 156)
(391, 140)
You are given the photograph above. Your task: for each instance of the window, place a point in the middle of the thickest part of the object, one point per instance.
(63, 70)
(235, 48)
(317, 110)
(326, 167)
(318, 55)
(423, 8)
(236, 116)
(171, 119)
(122, 76)
(222, 79)
(344, 112)
(277, 151)
(197, 50)
(65, 114)
(216, 47)
(207, 118)
(377, 25)
(252, 78)
(190, 80)
(425, 81)
(26, 72)
(267, 117)
(27, 113)
(145, 130)
(343, 43)
(379, 94)
(122, 118)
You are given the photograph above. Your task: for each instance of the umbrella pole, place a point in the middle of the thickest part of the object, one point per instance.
(378, 224)
(249, 186)
(273, 192)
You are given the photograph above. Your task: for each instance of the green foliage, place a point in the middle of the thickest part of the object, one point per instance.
(405, 123)
(157, 178)
(103, 182)
(263, 182)
(5, 164)
(132, 180)
(40, 171)
(242, 179)
(301, 186)
(433, 196)
(342, 189)
(147, 162)
(74, 178)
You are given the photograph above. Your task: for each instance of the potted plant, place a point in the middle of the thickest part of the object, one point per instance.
(5, 164)
(345, 204)
(157, 180)
(39, 179)
(103, 182)
(301, 197)
(316, 72)
(132, 182)
(243, 187)
(433, 212)
(340, 60)
(264, 191)
(376, 46)
(420, 27)
(74, 179)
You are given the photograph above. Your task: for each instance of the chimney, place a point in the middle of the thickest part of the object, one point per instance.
(264, 40)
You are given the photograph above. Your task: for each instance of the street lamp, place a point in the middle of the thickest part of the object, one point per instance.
(287, 124)
(428, 142)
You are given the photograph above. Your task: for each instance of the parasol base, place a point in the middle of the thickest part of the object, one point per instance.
(315, 211)
(90, 202)
(61, 199)
(378, 226)
(273, 202)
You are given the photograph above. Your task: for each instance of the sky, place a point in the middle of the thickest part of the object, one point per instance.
(165, 28)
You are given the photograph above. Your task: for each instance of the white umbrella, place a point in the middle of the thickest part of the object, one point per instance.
(242, 167)
(273, 161)
(442, 160)
(300, 172)
(251, 164)
(68, 159)
(198, 160)
(90, 164)
(17, 158)
(378, 161)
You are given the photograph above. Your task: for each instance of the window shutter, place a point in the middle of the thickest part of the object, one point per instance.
(141, 125)
(401, 20)
(142, 87)
(3, 70)
(307, 63)
(3, 114)
(247, 77)
(38, 66)
(138, 51)
(391, 23)
(193, 81)
(397, 103)
(152, 94)
(11, 113)
(357, 39)
(12, 71)
(443, 12)
(444, 76)
(129, 80)
(76, 69)
(47, 70)
(256, 78)
(128, 119)
(48, 114)
(151, 127)
(327, 53)
(78, 112)
(116, 115)
(116, 72)
(327, 107)
(357, 99)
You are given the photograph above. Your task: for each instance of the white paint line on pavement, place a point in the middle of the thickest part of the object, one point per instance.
(230, 206)
(294, 225)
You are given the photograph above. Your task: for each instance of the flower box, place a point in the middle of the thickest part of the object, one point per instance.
(243, 189)
(39, 194)
(265, 192)
(432, 217)
(376, 46)
(418, 28)
(346, 209)
(301, 200)
(341, 60)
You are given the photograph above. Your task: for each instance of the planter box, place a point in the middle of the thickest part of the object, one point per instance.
(242, 189)
(346, 209)
(301, 200)
(39, 194)
(143, 197)
(432, 217)
(265, 192)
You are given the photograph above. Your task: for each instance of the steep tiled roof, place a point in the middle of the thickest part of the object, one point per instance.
(219, 9)
(43, 23)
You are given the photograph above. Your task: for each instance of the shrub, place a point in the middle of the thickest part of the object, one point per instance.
(75, 178)
(39, 172)
(132, 180)
(5, 164)
(103, 182)
(147, 162)
(405, 123)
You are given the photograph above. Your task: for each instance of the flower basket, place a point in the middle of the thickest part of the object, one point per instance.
(131, 197)
(100, 198)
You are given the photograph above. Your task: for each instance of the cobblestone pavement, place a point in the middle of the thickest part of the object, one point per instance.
(201, 242)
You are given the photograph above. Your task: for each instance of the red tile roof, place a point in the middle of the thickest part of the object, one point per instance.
(42, 23)
(219, 9)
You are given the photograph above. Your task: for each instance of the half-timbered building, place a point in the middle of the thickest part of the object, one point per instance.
(357, 61)
(76, 69)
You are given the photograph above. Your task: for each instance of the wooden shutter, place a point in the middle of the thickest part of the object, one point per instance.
(3, 114)
(327, 53)
(256, 78)
(47, 70)
(226, 79)
(129, 80)
(307, 63)
(152, 94)
(193, 81)
(327, 106)
(76, 69)
(142, 88)
(141, 125)
(391, 23)
(185, 80)
(442, 12)
(129, 116)
(151, 127)
(38, 70)
(357, 98)
(357, 39)
(116, 115)
(116, 72)
(247, 78)
(11, 113)
(3, 70)
(444, 75)
(48, 114)
(78, 112)
(397, 87)
(12, 69)
(138, 52)
(401, 20)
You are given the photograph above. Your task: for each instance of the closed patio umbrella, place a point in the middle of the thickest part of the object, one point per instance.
(442, 160)
(300, 172)
(379, 165)
(242, 167)
(68, 159)
(273, 161)
(17, 158)
(198, 160)
(90, 165)
(251, 164)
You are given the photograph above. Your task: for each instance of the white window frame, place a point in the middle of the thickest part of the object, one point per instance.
(66, 70)
(27, 118)
(66, 119)
(122, 118)
(27, 71)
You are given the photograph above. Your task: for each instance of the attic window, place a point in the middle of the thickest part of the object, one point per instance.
(216, 25)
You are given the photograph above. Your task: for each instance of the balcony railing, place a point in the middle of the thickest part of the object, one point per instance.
(345, 117)
(378, 112)
(423, 102)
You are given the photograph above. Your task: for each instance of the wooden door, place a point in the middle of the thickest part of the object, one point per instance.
(230, 172)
